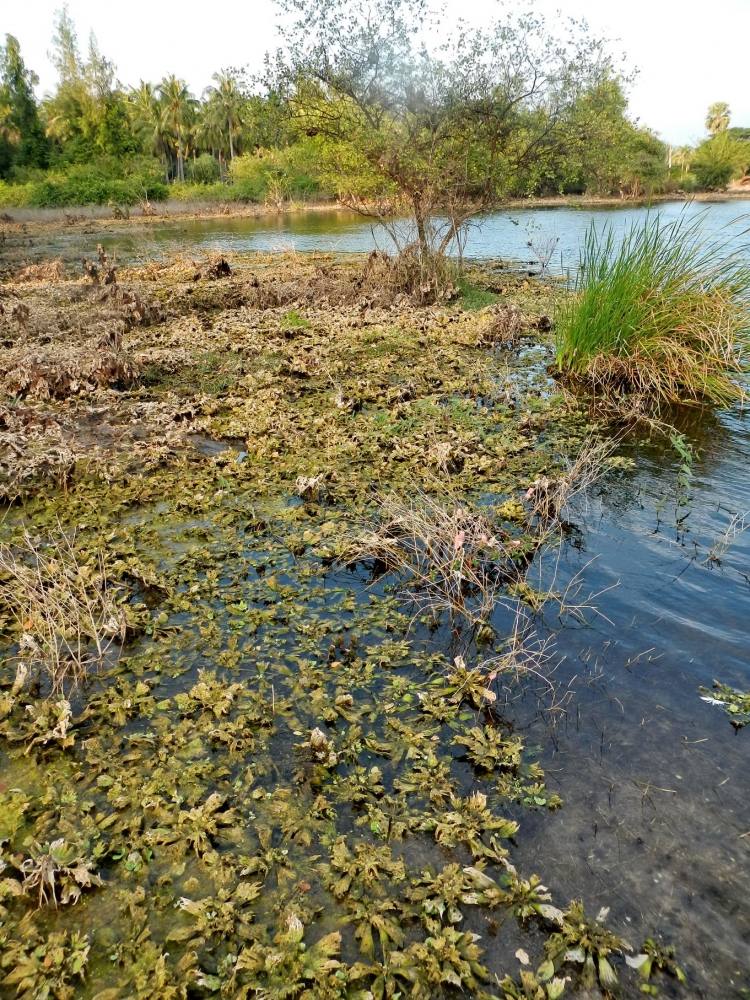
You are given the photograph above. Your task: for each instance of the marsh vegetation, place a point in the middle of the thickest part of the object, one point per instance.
(297, 610)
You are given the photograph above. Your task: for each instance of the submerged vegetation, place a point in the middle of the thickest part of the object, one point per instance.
(289, 573)
(661, 313)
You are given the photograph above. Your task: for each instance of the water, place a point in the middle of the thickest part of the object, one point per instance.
(656, 778)
(555, 233)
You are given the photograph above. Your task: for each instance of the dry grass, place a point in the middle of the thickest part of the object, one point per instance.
(549, 498)
(451, 556)
(65, 609)
(48, 270)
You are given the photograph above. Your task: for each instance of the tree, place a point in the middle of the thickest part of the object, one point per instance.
(22, 129)
(445, 131)
(177, 110)
(718, 117)
(88, 114)
(718, 160)
(147, 121)
(225, 106)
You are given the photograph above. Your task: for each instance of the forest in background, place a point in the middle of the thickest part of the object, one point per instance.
(94, 141)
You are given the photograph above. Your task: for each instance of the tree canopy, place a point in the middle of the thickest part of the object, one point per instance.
(379, 105)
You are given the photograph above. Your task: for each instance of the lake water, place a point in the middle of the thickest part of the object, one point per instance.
(554, 233)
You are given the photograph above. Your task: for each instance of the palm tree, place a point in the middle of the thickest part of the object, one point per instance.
(228, 103)
(682, 157)
(8, 129)
(177, 109)
(209, 133)
(717, 118)
(145, 114)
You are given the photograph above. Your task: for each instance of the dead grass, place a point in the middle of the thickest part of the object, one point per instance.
(548, 498)
(48, 270)
(451, 556)
(66, 610)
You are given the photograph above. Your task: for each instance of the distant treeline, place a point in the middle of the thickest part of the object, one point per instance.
(94, 141)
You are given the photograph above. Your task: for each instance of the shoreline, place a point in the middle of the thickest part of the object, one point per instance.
(75, 217)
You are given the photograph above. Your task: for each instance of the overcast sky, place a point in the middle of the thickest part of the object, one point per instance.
(685, 62)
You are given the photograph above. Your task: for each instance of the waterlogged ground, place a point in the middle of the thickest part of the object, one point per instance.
(290, 780)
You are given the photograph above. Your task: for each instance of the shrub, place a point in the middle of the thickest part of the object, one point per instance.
(278, 174)
(664, 313)
(15, 195)
(717, 161)
(203, 170)
(95, 184)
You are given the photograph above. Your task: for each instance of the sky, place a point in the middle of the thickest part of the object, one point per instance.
(684, 63)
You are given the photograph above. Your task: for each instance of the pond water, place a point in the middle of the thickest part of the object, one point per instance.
(656, 777)
(519, 235)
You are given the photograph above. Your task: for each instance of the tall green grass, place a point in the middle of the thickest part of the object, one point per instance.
(662, 312)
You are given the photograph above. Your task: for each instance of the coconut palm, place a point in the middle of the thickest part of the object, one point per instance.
(8, 129)
(177, 112)
(145, 114)
(717, 118)
(227, 105)
(210, 134)
(682, 157)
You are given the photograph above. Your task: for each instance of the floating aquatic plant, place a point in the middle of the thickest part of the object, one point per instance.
(735, 703)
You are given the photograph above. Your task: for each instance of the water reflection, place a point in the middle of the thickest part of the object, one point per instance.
(504, 234)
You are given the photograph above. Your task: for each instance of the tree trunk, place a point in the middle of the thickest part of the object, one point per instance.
(419, 218)
(231, 144)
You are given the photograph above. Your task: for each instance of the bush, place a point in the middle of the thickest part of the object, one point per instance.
(717, 161)
(101, 183)
(662, 313)
(203, 170)
(279, 174)
(185, 191)
(15, 195)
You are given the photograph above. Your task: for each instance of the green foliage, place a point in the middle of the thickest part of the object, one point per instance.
(718, 160)
(22, 138)
(585, 943)
(735, 703)
(661, 312)
(93, 185)
(275, 174)
(653, 958)
(718, 117)
(448, 131)
(472, 297)
(203, 170)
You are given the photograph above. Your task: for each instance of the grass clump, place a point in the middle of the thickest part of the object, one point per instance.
(662, 313)
(66, 611)
(473, 297)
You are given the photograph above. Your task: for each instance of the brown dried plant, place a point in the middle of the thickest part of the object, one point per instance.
(66, 609)
(451, 556)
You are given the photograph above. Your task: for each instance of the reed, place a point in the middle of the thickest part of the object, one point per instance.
(663, 313)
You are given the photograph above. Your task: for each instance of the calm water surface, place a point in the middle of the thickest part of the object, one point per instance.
(553, 233)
